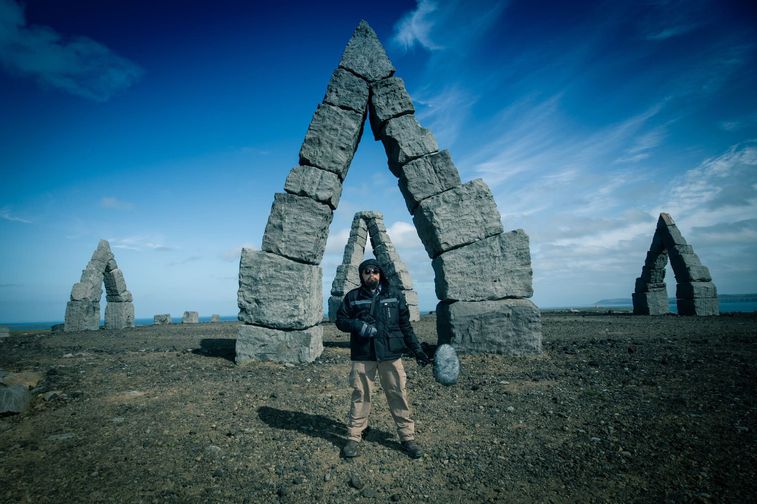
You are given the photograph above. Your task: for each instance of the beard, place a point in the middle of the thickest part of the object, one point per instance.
(372, 283)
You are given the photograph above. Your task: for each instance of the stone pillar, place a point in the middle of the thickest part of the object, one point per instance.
(190, 317)
(162, 319)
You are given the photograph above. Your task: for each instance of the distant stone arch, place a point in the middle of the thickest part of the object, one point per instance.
(695, 292)
(483, 275)
(371, 225)
(83, 309)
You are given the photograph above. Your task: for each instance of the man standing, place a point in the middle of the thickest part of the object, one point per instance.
(378, 321)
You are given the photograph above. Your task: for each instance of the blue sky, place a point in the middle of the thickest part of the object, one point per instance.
(167, 127)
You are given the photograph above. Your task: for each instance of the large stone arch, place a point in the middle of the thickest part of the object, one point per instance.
(482, 274)
(695, 292)
(83, 309)
(366, 225)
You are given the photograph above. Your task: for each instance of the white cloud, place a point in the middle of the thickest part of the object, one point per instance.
(115, 203)
(139, 243)
(79, 65)
(6, 214)
(416, 26)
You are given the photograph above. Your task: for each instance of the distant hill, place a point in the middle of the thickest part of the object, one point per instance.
(723, 298)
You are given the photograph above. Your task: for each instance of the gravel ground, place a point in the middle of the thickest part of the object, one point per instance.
(618, 408)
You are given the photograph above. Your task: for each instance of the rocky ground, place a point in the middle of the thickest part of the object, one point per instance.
(619, 408)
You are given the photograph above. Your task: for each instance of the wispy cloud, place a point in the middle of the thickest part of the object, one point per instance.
(186, 260)
(416, 26)
(7, 215)
(78, 65)
(115, 203)
(139, 243)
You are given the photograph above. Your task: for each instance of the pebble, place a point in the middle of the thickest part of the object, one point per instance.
(510, 409)
(356, 482)
(369, 493)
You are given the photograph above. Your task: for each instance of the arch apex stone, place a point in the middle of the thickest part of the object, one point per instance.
(365, 56)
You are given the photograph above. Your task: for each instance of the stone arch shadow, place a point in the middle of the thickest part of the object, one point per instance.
(483, 275)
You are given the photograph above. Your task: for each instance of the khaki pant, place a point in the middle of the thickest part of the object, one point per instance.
(393, 380)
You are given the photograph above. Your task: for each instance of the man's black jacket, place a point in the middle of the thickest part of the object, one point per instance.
(388, 313)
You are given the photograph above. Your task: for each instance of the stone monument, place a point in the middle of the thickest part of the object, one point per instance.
(83, 309)
(190, 317)
(364, 225)
(695, 292)
(482, 274)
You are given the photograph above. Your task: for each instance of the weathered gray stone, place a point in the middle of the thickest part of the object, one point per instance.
(81, 291)
(652, 302)
(493, 268)
(114, 282)
(119, 315)
(82, 316)
(347, 90)
(389, 99)
(297, 228)
(427, 176)
(215, 318)
(705, 306)
(415, 312)
(365, 56)
(457, 217)
(687, 268)
(190, 317)
(671, 236)
(642, 286)
(4, 332)
(506, 326)
(446, 365)
(331, 139)
(334, 303)
(255, 343)
(277, 292)
(162, 319)
(14, 398)
(123, 297)
(320, 185)
(694, 290)
(404, 140)
(102, 256)
(346, 279)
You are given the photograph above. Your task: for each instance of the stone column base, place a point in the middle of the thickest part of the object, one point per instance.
(698, 306)
(119, 315)
(505, 326)
(256, 343)
(334, 303)
(653, 302)
(82, 316)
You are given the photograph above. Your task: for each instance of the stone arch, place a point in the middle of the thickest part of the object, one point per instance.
(482, 274)
(695, 292)
(83, 309)
(371, 225)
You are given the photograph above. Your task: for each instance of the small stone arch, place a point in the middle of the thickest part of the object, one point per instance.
(482, 274)
(83, 309)
(371, 225)
(695, 292)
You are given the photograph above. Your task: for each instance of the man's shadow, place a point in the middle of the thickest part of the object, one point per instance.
(320, 426)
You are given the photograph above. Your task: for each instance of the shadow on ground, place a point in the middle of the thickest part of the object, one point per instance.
(224, 348)
(320, 426)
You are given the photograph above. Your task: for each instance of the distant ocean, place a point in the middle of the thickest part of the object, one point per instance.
(35, 326)
(725, 306)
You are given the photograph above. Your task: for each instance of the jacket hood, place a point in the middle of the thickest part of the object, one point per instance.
(372, 263)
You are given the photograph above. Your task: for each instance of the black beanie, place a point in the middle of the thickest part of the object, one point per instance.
(369, 263)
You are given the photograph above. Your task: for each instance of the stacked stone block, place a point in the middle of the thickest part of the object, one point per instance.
(190, 317)
(83, 308)
(483, 274)
(371, 224)
(162, 319)
(695, 292)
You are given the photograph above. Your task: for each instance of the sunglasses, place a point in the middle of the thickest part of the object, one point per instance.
(371, 271)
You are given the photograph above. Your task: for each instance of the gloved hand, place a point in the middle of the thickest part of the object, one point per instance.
(421, 358)
(368, 331)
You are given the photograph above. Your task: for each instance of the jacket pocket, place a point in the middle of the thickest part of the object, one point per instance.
(396, 343)
(390, 313)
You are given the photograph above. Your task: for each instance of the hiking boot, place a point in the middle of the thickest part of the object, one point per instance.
(349, 450)
(412, 449)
